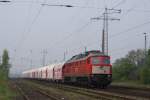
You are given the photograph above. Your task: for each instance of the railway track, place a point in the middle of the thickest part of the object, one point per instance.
(42, 88)
(98, 94)
(31, 93)
(133, 91)
(111, 93)
(104, 94)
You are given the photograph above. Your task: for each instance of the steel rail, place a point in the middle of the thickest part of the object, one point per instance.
(91, 93)
(38, 90)
(22, 93)
(46, 94)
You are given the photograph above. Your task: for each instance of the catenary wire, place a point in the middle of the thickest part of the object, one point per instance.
(27, 32)
(130, 29)
(118, 4)
(71, 34)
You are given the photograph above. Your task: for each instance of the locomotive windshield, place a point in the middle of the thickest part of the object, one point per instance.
(95, 60)
(100, 60)
(106, 61)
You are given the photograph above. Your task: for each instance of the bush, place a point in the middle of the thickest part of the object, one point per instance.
(134, 66)
(122, 69)
(145, 75)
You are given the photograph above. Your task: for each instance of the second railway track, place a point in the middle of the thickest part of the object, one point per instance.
(30, 93)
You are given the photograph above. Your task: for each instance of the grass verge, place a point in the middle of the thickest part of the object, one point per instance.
(131, 83)
(5, 91)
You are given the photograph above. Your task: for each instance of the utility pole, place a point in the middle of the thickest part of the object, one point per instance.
(21, 60)
(64, 56)
(0, 59)
(85, 48)
(105, 19)
(31, 58)
(44, 52)
(145, 36)
(65, 53)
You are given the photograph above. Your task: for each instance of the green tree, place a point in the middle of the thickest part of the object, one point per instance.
(5, 63)
(127, 68)
(5, 58)
(136, 57)
(134, 66)
(149, 52)
(145, 75)
(145, 71)
(147, 62)
(122, 69)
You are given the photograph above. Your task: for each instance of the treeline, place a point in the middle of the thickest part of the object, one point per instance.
(4, 65)
(134, 66)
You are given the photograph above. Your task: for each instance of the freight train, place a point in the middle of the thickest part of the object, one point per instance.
(91, 67)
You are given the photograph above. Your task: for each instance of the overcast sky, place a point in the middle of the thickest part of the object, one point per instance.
(27, 28)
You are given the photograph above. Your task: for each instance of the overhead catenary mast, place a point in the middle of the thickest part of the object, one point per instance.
(44, 52)
(105, 19)
(145, 38)
(31, 58)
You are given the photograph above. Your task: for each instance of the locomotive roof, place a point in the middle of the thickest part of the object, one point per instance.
(85, 54)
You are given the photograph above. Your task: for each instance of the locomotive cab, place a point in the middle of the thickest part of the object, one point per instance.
(91, 67)
(101, 70)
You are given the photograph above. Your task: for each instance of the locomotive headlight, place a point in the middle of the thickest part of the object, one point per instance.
(92, 75)
(109, 76)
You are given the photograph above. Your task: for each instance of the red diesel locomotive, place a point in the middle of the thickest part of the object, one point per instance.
(92, 67)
